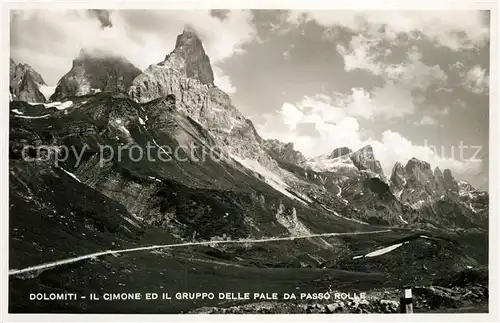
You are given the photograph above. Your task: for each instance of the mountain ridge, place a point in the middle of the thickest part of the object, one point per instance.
(25, 83)
(186, 77)
(94, 71)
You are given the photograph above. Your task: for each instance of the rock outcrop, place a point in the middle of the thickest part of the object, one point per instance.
(96, 71)
(343, 161)
(189, 57)
(284, 152)
(417, 185)
(364, 159)
(25, 83)
(398, 179)
(187, 75)
(337, 152)
(450, 184)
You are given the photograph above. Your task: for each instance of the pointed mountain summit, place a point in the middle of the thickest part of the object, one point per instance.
(284, 152)
(398, 178)
(450, 184)
(338, 152)
(189, 57)
(187, 75)
(438, 173)
(25, 83)
(440, 186)
(422, 184)
(364, 159)
(96, 71)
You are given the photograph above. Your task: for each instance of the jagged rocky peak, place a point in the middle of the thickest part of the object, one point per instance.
(96, 71)
(25, 83)
(187, 74)
(424, 184)
(186, 67)
(438, 173)
(22, 69)
(284, 152)
(338, 152)
(419, 171)
(189, 57)
(450, 184)
(398, 176)
(13, 66)
(364, 159)
(415, 166)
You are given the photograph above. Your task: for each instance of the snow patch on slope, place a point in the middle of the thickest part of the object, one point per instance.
(160, 147)
(382, 251)
(33, 117)
(343, 217)
(325, 164)
(59, 105)
(340, 196)
(131, 221)
(71, 174)
(270, 178)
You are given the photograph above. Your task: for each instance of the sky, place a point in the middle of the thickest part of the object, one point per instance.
(408, 83)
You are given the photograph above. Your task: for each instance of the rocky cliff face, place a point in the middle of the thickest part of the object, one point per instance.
(449, 182)
(187, 75)
(25, 83)
(422, 185)
(189, 57)
(337, 152)
(398, 179)
(477, 201)
(364, 159)
(95, 71)
(438, 174)
(284, 152)
(343, 163)
(435, 191)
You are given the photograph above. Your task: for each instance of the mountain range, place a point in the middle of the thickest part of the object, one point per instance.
(256, 188)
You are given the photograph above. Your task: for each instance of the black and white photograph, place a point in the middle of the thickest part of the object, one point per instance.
(250, 161)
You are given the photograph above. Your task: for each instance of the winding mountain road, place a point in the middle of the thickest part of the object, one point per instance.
(54, 264)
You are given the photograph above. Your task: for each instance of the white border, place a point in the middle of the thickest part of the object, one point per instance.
(494, 174)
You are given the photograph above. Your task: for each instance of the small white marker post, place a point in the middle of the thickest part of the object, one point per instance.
(406, 302)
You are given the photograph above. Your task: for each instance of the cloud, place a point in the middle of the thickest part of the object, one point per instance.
(316, 126)
(287, 54)
(291, 115)
(444, 111)
(454, 29)
(361, 54)
(476, 80)
(50, 39)
(223, 81)
(389, 101)
(397, 97)
(427, 121)
(413, 73)
(366, 54)
(395, 147)
(103, 16)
